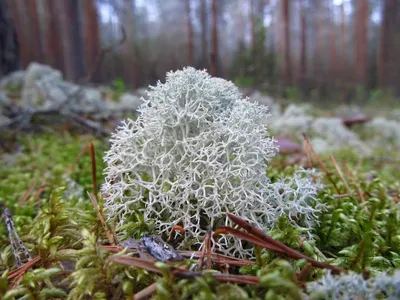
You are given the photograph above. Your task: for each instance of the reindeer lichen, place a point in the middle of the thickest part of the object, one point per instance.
(196, 150)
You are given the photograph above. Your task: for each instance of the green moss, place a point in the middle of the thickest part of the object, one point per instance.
(62, 230)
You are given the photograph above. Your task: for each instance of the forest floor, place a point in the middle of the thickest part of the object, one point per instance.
(50, 181)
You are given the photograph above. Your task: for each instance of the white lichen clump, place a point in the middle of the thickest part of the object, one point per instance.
(196, 150)
(386, 132)
(294, 120)
(295, 197)
(354, 286)
(337, 135)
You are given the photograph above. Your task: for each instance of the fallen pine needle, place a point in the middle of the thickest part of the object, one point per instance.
(340, 173)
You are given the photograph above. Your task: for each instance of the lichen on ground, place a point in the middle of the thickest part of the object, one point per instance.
(349, 220)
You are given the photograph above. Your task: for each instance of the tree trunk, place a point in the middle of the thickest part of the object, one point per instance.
(91, 37)
(53, 49)
(362, 17)
(204, 44)
(389, 44)
(69, 17)
(332, 44)
(343, 58)
(303, 42)
(252, 26)
(34, 30)
(214, 54)
(129, 45)
(190, 34)
(9, 47)
(22, 34)
(286, 33)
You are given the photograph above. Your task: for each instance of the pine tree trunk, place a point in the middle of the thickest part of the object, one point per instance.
(22, 34)
(204, 44)
(52, 49)
(343, 58)
(389, 46)
(190, 34)
(214, 54)
(286, 33)
(34, 30)
(332, 44)
(303, 43)
(362, 17)
(91, 37)
(69, 17)
(252, 26)
(129, 45)
(9, 47)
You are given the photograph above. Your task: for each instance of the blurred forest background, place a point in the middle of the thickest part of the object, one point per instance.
(348, 49)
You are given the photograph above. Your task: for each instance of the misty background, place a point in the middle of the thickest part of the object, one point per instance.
(342, 49)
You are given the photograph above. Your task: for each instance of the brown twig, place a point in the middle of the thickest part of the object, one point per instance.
(146, 292)
(260, 235)
(22, 269)
(208, 248)
(39, 191)
(340, 173)
(205, 251)
(110, 237)
(307, 151)
(320, 162)
(215, 257)
(27, 193)
(180, 272)
(339, 196)
(353, 180)
(93, 161)
(201, 258)
(302, 276)
(248, 237)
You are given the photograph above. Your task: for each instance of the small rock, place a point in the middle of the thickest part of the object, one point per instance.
(35, 72)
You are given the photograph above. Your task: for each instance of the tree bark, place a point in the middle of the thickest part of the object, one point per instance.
(91, 37)
(69, 16)
(343, 58)
(24, 53)
(9, 47)
(252, 26)
(130, 67)
(53, 49)
(190, 34)
(332, 44)
(204, 44)
(389, 44)
(362, 17)
(303, 42)
(34, 30)
(286, 33)
(214, 54)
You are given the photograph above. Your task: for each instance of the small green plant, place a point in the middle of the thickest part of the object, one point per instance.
(119, 88)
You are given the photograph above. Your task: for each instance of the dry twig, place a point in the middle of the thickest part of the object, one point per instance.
(353, 180)
(320, 162)
(274, 245)
(340, 173)
(110, 237)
